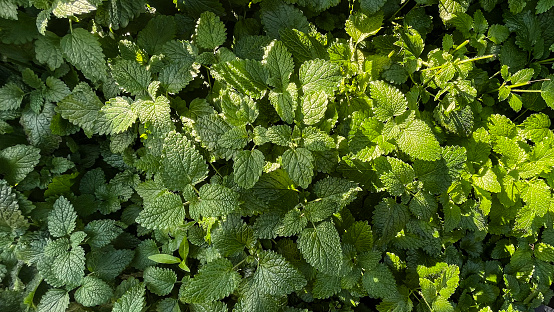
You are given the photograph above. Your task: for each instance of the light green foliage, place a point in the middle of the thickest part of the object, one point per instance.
(55, 300)
(319, 75)
(119, 115)
(280, 64)
(418, 141)
(389, 100)
(83, 108)
(247, 76)
(359, 26)
(314, 105)
(130, 76)
(215, 280)
(131, 301)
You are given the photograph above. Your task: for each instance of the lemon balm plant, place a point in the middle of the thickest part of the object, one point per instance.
(307, 155)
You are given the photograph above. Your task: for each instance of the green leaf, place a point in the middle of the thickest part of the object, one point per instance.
(61, 220)
(359, 235)
(165, 212)
(11, 218)
(276, 15)
(544, 252)
(389, 218)
(360, 26)
(299, 165)
(164, 258)
(8, 10)
(182, 164)
(11, 96)
(314, 105)
(321, 248)
(543, 6)
(547, 92)
(395, 174)
(157, 32)
(423, 205)
(159, 280)
(83, 108)
(233, 236)
(276, 276)
(131, 301)
(538, 197)
(293, 223)
(390, 101)
(17, 161)
(320, 75)
(48, 50)
(210, 32)
(107, 263)
(215, 201)
(176, 76)
(247, 167)
(246, 76)
(101, 232)
(83, 50)
(326, 285)
(303, 46)
(54, 300)
(285, 102)
(418, 141)
(487, 180)
(236, 138)
(69, 266)
(215, 280)
(156, 112)
(131, 76)
(93, 291)
(379, 282)
(119, 115)
(279, 61)
(371, 6)
(73, 7)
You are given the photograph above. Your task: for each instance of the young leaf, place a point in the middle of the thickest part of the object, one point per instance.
(359, 26)
(390, 101)
(314, 105)
(119, 115)
(321, 248)
(319, 75)
(164, 258)
(131, 301)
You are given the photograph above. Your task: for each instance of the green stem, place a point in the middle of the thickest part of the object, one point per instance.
(529, 91)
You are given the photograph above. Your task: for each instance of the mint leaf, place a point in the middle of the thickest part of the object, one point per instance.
(157, 32)
(54, 300)
(181, 163)
(159, 280)
(61, 220)
(279, 61)
(131, 76)
(83, 50)
(418, 141)
(166, 211)
(314, 105)
(131, 301)
(275, 276)
(215, 280)
(119, 115)
(246, 76)
(299, 165)
(389, 100)
(319, 75)
(321, 248)
(11, 96)
(359, 26)
(215, 201)
(210, 31)
(93, 291)
(247, 167)
(17, 161)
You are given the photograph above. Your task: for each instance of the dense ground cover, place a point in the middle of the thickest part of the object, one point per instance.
(303, 155)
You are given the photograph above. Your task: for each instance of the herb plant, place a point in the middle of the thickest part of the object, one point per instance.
(276, 155)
